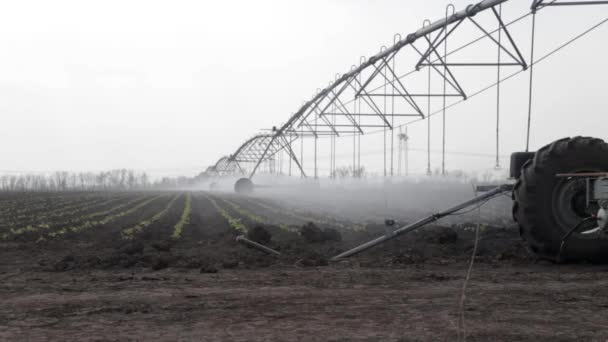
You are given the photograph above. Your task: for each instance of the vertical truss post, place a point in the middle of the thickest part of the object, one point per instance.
(333, 151)
(359, 79)
(261, 158)
(407, 160)
(353, 67)
(316, 146)
(400, 152)
(331, 146)
(403, 152)
(445, 67)
(264, 151)
(301, 152)
(531, 79)
(384, 110)
(428, 115)
(396, 38)
(497, 164)
(289, 147)
(280, 163)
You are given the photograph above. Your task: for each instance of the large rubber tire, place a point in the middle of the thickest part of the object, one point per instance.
(538, 206)
(518, 159)
(243, 186)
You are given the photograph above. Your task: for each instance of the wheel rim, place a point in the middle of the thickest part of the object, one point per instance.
(569, 205)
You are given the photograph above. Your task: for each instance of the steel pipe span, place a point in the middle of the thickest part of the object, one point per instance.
(329, 102)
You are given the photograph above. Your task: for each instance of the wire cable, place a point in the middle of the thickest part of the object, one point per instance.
(506, 78)
(531, 79)
(540, 60)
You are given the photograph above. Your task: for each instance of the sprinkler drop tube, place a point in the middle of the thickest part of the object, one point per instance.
(256, 245)
(429, 219)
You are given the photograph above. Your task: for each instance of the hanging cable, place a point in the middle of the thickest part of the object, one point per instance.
(400, 152)
(445, 68)
(331, 150)
(302, 151)
(506, 78)
(316, 147)
(428, 102)
(359, 171)
(396, 38)
(383, 48)
(290, 155)
(497, 84)
(407, 161)
(497, 165)
(333, 122)
(354, 136)
(531, 79)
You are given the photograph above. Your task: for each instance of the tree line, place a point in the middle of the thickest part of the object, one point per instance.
(111, 180)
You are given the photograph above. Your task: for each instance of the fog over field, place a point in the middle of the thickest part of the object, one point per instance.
(374, 199)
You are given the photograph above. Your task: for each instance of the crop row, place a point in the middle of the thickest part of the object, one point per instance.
(253, 217)
(184, 219)
(304, 218)
(129, 233)
(18, 208)
(235, 223)
(69, 210)
(12, 200)
(108, 219)
(85, 218)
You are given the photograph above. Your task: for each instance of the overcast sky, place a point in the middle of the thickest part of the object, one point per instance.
(171, 86)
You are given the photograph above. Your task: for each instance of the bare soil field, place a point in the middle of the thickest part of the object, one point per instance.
(166, 266)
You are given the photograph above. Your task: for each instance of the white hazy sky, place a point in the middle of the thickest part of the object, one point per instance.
(171, 86)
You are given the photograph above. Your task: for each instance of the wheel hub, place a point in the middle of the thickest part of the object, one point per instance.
(569, 204)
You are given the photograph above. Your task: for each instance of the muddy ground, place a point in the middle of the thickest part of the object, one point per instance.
(205, 286)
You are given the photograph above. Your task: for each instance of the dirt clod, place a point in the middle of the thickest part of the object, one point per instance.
(160, 263)
(230, 264)
(162, 246)
(63, 266)
(131, 248)
(311, 233)
(447, 235)
(331, 234)
(208, 269)
(259, 234)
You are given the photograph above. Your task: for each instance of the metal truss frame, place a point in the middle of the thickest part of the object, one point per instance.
(364, 98)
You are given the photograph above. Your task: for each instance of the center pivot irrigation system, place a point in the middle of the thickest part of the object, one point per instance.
(560, 193)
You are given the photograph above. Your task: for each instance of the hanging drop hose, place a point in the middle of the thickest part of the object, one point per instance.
(565, 238)
(531, 80)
